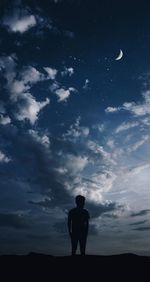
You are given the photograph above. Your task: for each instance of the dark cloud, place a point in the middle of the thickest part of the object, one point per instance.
(39, 237)
(69, 34)
(142, 228)
(110, 215)
(13, 220)
(99, 209)
(141, 213)
(138, 222)
(45, 203)
(61, 227)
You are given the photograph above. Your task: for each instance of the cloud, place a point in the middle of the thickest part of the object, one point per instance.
(146, 121)
(126, 125)
(2, 108)
(17, 88)
(40, 160)
(99, 127)
(86, 84)
(140, 213)
(54, 86)
(13, 220)
(75, 164)
(138, 144)
(138, 222)
(145, 78)
(4, 119)
(31, 75)
(111, 109)
(137, 109)
(46, 203)
(63, 94)
(51, 72)
(142, 228)
(111, 143)
(8, 65)
(24, 105)
(106, 209)
(42, 139)
(28, 108)
(20, 21)
(98, 150)
(28, 77)
(94, 187)
(67, 71)
(59, 170)
(4, 158)
(138, 169)
(76, 130)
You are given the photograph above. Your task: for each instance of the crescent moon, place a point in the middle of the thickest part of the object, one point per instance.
(119, 56)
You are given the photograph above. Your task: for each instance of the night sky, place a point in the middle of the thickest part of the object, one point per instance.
(74, 120)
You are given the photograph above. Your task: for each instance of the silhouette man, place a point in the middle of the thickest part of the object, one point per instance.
(78, 223)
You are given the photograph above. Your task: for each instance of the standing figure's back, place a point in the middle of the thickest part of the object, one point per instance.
(78, 222)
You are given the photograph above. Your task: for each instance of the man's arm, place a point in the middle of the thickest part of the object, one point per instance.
(69, 224)
(87, 223)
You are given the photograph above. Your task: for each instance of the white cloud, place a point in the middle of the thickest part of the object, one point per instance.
(67, 71)
(135, 108)
(86, 84)
(4, 158)
(4, 119)
(76, 130)
(95, 187)
(110, 143)
(31, 75)
(51, 72)
(138, 169)
(54, 86)
(61, 170)
(75, 164)
(17, 88)
(42, 139)
(8, 65)
(104, 180)
(99, 127)
(139, 143)
(63, 94)
(25, 106)
(111, 109)
(145, 121)
(28, 76)
(28, 108)
(99, 150)
(133, 181)
(19, 23)
(145, 78)
(126, 126)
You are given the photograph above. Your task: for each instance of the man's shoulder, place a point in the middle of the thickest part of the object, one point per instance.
(72, 211)
(86, 213)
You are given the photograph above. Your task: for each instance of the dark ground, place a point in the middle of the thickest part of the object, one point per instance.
(42, 267)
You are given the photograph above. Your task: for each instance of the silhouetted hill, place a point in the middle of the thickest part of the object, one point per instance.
(92, 268)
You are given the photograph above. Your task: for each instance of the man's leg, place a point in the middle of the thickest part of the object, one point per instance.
(74, 242)
(82, 241)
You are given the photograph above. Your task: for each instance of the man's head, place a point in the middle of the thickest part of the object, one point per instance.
(80, 200)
